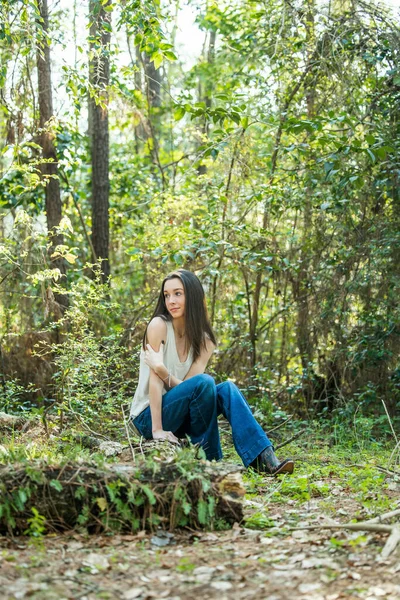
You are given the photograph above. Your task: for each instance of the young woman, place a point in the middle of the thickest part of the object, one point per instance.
(175, 398)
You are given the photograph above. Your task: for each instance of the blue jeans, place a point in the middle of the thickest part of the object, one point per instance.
(192, 407)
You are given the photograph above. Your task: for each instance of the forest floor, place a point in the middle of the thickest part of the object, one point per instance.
(265, 557)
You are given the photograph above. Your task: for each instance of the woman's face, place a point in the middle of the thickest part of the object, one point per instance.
(174, 296)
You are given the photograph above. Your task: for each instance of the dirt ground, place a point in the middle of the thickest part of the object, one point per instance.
(272, 564)
(272, 560)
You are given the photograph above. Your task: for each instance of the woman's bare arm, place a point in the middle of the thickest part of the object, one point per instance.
(200, 365)
(156, 333)
(170, 381)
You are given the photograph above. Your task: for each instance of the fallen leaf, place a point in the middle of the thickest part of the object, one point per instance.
(222, 586)
(377, 591)
(311, 563)
(354, 575)
(306, 588)
(133, 593)
(97, 562)
(297, 558)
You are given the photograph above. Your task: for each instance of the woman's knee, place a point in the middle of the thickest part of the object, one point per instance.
(203, 380)
(205, 387)
(227, 386)
(229, 392)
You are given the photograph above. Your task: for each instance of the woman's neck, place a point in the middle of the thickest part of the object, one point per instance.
(179, 328)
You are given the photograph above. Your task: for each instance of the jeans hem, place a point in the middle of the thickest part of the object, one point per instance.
(255, 451)
(216, 457)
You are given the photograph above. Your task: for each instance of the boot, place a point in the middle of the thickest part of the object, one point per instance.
(268, 463)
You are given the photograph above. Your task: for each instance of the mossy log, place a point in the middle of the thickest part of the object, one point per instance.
(119, 497)
(11, 421)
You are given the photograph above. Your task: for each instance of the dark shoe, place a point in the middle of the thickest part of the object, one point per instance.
(268, 463)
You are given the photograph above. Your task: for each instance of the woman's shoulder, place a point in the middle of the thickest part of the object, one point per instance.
(157, 325)
(210, 346)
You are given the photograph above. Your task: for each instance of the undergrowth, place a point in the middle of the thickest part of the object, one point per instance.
(40, 495)
(348, 477)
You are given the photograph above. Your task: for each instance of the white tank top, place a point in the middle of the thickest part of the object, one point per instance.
(172, 362)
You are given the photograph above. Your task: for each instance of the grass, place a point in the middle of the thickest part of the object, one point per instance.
(341, 481)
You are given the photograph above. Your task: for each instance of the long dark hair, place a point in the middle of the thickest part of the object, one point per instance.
(197, 323)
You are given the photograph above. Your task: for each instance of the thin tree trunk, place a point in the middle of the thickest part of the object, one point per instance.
(206, 91)
(153, 81)
(274, 161)
(49, 167)
(302, 287)
(99, 74)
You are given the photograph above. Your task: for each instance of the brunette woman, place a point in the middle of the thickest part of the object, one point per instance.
(175, 398)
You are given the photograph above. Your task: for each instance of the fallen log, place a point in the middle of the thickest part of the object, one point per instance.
(11, 421)
(168, 493)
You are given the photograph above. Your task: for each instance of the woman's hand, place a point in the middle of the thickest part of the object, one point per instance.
(160, 434)
(155, 360)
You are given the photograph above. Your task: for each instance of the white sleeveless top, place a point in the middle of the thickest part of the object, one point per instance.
(172, 362)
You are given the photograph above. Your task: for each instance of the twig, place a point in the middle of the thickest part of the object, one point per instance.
(387, 471)
(390, 421)
(280, 425)
(393, 453)
(127, 433)
(391, 542)
(290, 440)
(85, 425)
(364, 526)
(9, 273)
(140, 445)
(384, 517)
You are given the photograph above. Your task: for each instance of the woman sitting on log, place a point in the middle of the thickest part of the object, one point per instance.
(175, 397)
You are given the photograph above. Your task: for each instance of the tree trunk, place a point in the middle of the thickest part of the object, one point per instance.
(206, 91)
(153, 82)
(99, 74)
(301, 287)
(284, 113)
(49, 167)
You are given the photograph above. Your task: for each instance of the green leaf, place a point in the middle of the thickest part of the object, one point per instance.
(202, 512)
(149, 493)
(71, 258)
(371, 155)
(22, 496)
(179, 113)
(54, 483)
(80, 492)
(157, 60)
(102, 503)
(170, 55)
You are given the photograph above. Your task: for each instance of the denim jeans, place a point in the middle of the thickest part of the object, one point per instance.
(192, 407)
